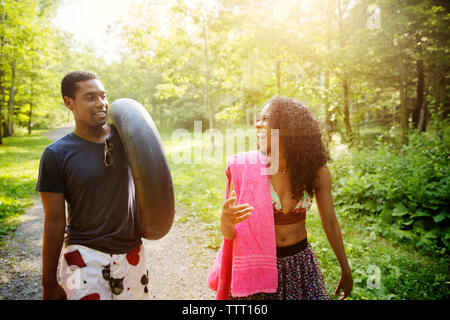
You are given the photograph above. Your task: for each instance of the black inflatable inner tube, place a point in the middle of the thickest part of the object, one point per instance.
(149, 167)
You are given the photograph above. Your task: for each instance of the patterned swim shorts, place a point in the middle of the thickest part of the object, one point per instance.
(88, 274)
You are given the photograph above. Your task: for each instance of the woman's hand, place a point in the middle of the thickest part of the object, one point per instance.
(346, 284)
(232, 215)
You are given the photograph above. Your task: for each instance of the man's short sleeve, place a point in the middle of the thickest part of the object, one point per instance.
(50, 177)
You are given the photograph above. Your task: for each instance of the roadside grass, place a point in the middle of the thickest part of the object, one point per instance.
(19, 164)
(382, 268)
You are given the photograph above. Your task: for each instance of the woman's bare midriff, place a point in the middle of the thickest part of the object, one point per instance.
(289, 234)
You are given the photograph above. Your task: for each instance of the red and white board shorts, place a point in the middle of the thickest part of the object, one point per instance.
(88, 274)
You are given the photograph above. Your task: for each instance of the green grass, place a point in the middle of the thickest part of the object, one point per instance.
(19, 164)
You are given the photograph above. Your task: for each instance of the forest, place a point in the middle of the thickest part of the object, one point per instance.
(359, 65)
(375, 73)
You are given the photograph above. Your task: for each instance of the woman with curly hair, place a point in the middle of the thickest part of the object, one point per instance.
(302, 175)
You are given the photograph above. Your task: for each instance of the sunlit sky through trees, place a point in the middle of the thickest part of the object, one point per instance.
(90, 21)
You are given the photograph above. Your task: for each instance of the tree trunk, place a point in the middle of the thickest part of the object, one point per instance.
(348, 127)
(418, 110)
(12, 94)
(423, 119)
(328, 124)
(418, 115)
(2, 101)
(1, 130)
(2, 90)
(443, 105)
(345, 82)
(2, 74)
(207, 98)
(403, 109)
(244, 87)
(402, 91)
(278, 72)
(30, 114)
(160, 116)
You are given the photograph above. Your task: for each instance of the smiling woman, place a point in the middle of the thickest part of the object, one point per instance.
(285, 196)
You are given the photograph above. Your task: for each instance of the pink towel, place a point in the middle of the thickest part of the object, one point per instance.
(248, 262)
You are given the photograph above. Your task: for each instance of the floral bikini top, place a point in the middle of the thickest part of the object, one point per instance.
(296, 215)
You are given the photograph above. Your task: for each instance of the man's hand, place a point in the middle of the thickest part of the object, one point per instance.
(54, 292)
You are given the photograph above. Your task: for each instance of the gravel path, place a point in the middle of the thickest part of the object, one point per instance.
(178, 263)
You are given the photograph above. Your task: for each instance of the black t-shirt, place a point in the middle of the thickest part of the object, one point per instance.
(101, 200)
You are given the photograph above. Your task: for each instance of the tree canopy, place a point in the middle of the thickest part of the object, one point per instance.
(356, 64)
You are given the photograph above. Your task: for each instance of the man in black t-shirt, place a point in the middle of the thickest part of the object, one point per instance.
(103, 256)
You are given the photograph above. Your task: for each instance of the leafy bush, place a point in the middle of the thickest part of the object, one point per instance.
(381, 268)
(408, 188)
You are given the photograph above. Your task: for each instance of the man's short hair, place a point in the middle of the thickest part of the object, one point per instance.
(69, 83)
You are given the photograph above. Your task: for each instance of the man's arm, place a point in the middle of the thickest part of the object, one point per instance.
(54, 227)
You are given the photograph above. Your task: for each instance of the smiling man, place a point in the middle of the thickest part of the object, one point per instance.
(103, 256)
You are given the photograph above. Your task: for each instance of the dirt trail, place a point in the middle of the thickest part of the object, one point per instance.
(178, 263)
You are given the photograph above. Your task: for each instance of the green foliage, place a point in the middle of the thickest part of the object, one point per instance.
(32, 54)
(404, 273)
(407, 188)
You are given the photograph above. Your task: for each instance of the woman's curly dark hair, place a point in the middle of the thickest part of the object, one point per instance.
(304, 148)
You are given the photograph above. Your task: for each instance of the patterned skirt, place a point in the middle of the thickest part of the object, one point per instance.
(299, 276)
